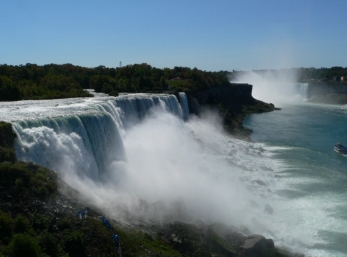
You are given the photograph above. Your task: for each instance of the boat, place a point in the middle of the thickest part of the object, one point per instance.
(339, 148)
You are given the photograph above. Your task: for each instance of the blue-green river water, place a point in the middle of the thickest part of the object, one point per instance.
(311, 179)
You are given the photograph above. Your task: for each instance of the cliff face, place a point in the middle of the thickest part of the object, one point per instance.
(7, 137)
(325, 88)
(234, 103)
(233, 95)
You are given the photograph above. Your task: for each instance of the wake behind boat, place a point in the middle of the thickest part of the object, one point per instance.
(339, 148)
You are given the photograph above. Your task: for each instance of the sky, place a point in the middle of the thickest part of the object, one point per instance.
(210, 35)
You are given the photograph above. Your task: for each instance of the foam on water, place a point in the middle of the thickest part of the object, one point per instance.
(312, 180)
(137, 158)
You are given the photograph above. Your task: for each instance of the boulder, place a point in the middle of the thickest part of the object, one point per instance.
(257, 246)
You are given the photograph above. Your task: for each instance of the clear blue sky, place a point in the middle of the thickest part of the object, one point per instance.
(207, 34)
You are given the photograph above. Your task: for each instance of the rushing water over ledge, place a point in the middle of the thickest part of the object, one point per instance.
(136, 157)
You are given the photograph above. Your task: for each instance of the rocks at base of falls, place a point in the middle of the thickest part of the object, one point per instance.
(257, 245)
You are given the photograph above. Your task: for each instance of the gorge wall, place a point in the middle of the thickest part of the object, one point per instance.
(235, 94)
(325, 88)
(234, 103)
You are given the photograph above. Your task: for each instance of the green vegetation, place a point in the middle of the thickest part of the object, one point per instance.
(321, 73)
(38, 82)
(31, 81)
(52, 81)
(7, 137)
(221, 241)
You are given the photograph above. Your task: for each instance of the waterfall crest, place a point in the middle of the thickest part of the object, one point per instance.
(88, 142)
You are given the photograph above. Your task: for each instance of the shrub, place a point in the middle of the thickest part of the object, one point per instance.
(24, 245)
(6, 227)
(74, 244)
(64, 223)
(21, 224)
(49, 244)
(18, 184)
(40, 222)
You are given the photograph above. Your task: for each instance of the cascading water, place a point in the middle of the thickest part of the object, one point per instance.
(95, 133)
(184, 105)
(302, 89)
(136, 158)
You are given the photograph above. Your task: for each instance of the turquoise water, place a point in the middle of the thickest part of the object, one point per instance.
(311, 177)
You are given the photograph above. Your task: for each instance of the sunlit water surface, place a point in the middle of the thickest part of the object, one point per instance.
(311, 181)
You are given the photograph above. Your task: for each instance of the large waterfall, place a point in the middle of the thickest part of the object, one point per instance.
(86, 139)
(140, 157)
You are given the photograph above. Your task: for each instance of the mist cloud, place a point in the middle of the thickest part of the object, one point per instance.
(272, 86)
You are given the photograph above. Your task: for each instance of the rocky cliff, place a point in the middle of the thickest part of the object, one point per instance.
(228, 95)
(234, 103)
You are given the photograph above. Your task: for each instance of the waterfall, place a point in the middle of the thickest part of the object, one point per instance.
(302, 89)
(184, 105)
(85, 140)
(136, 158)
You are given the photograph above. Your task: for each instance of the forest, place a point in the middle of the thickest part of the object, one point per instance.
(52, 81)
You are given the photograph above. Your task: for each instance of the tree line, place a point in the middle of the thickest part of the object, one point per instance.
(51, 81)
(321, 73)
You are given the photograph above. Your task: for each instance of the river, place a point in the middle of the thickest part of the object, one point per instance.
(310, 188)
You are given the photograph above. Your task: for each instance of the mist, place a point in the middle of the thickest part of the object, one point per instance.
(172, 171)
(164, 169)
(272, 86)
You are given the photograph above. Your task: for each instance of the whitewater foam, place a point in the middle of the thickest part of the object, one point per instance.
(137, 158)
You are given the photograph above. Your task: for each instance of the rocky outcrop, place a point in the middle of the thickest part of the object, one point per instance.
(257, 245)
(234, 94)
(234, 103)
(7, 137)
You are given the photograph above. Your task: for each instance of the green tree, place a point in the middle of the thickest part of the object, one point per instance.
(24, 245)
(21, 224)
(49, 244)
(74, 244)
(6, 227)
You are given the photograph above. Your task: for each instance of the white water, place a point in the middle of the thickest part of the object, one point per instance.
(135, 157)
(275, 87)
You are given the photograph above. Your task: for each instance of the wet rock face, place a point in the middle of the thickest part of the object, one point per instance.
(257, 245)
(7, 137)
(240, 93)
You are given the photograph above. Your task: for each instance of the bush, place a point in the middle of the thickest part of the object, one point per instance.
(21, 224)
(24, 245)
(6, 227)
(64, 223)
(18, 184)
(49, 244)
(74, 244)
(40, 222)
